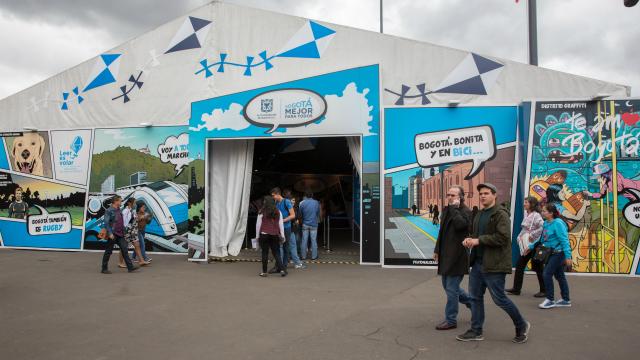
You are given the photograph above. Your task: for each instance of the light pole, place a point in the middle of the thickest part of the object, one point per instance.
(533, 33)
(381, 28)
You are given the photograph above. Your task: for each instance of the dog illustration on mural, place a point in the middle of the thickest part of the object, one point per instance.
(27, 153)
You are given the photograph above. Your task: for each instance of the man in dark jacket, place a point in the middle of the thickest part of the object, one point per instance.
(452, 256)
(490, 242)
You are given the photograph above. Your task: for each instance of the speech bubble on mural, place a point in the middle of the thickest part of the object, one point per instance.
(175, 150)
(49, 223)
(285, 108)
(631, 211)
(472, 144)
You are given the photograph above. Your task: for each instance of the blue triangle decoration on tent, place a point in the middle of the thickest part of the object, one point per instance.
(471, 86)
(105, 77)
(320, 31)
(190, 42)
(109, 58)
(485, 65)
(308, 50)
(198, 23)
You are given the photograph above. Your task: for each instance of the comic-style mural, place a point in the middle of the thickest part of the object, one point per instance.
(427, 150)
(584, 157)
(150, 165)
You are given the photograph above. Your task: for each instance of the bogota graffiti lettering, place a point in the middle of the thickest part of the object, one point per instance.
(584, 159)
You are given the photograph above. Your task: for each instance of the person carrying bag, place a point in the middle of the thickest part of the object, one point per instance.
(555, 252)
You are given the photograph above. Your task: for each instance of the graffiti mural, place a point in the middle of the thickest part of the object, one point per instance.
(584, 158)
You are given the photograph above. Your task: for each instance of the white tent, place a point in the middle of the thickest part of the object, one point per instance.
(221, 49)
(169, 85)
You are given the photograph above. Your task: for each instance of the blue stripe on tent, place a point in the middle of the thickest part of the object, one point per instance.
(15, 233)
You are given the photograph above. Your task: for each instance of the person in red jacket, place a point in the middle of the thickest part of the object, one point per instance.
(270, 234)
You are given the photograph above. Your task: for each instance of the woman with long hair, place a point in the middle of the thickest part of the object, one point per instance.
(270, 234)
(131, 230)
(555, 236)
(143, 217)
(530, 231)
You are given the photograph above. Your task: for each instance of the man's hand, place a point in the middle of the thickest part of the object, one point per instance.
(455, 202)
(111, 236)
(435, 256)
(470, 242)
(568, 263)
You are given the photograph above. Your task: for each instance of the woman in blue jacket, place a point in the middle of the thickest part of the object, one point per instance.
(555, 235)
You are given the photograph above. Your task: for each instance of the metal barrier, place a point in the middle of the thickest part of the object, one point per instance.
(327, 230)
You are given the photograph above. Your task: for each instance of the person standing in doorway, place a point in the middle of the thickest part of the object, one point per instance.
(531, 229)
(490, 242)
(114, 224)
(555, 236)
(310, 213)
(288, 215)
(452, 256)
(18, 209)
(270, 234)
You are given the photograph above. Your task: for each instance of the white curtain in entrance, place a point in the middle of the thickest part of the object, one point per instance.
(355, 148)
(230, 167)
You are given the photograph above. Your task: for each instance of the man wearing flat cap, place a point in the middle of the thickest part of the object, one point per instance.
(490, 261)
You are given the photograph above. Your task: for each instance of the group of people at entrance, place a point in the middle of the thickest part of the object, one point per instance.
(287, 228)
(124, 227)
(480, 245)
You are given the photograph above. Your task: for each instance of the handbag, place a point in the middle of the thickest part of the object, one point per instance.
(542, 254)
(523, 241)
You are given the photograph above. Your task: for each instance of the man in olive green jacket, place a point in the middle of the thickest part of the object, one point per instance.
(490, 242)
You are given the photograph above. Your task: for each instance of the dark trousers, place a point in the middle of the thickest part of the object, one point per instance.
(122, 244)
(270, 242)
(521, 265)
(479, 282)
(555, 268)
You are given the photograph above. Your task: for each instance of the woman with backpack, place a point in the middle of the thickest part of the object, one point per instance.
(270, 234)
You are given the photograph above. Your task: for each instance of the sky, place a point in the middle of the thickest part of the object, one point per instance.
(593, 38)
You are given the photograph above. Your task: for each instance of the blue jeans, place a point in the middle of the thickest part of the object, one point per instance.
(309, 232)
(293, 248)
(479, 282)
(555, 267)
(285, 249)
(455, 294)
(143, 249)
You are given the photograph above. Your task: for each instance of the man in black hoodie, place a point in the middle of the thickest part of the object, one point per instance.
(452, 256)
(490, 242)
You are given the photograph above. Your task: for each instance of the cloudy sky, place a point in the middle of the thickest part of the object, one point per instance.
(594, 38)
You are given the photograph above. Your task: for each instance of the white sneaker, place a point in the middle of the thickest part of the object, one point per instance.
(563, 303)
(301, 266)
(547, 304)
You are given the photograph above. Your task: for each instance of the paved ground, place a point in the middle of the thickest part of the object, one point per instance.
(57, 306)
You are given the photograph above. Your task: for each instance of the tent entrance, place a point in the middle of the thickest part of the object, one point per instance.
(324, 166)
